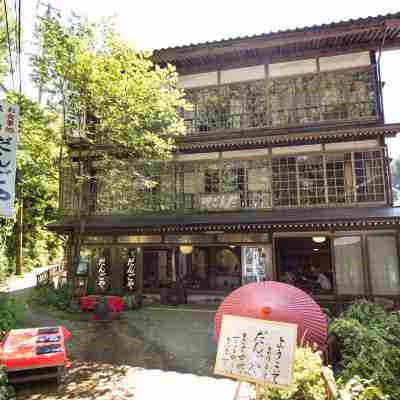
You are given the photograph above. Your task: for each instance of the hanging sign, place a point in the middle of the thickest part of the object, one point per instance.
(131, 271)
(9, 115)
(102, 273)
(256, 350)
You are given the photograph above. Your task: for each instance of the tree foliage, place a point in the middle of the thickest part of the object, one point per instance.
(36, 184)
(111, 93)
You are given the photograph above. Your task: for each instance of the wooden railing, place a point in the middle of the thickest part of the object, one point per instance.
(50, 276)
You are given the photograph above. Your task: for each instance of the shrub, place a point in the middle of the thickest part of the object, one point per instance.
(360, 389)
(308, 383)
(10, 312)
(6, 391)
(60, 297)
(367, 339)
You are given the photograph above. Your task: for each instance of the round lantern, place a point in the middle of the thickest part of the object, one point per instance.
(279, 302)
(186, 249)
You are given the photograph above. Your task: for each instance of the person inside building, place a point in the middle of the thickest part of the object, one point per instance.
(321, 279)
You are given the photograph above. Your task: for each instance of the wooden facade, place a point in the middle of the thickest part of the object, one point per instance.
(283, 174)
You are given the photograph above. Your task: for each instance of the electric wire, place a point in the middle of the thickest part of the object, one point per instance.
(9, 43)
(19, 51)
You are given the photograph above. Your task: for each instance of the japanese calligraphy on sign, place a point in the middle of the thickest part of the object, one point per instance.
(131, 272)
(256, 350)
(102, 273)
(9, 115)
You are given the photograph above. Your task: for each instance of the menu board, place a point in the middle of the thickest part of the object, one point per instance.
(256, 350)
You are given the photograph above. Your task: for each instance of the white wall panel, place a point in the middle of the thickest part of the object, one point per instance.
(296, 149)
(344, 61)
(362, 144)
(292, 68)
(243, 74)
(197, 157)
(245, 153)
(198, 80)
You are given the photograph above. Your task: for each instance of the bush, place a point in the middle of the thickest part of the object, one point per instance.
(60, 297)
(6, 391)
(360, 389)
(308, 383)
(367, 339)
(10, 312)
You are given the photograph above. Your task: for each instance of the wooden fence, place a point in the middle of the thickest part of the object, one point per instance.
(52, 276)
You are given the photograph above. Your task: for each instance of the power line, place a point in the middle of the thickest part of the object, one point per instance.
(19, 50)
(9, 44)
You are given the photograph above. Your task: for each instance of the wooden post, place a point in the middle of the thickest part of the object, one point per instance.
(19, 254)
(235, 397)
(173, 265)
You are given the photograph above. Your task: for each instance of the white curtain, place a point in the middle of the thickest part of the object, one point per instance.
(348, 263)
(384, 265)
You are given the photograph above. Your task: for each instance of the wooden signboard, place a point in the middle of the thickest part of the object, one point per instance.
(257, 351)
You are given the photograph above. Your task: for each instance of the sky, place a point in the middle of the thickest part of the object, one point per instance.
(155, 24)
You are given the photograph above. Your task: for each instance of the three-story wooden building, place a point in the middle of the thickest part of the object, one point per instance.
(283, 174)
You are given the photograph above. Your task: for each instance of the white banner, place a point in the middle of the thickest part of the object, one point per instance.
(9, 115)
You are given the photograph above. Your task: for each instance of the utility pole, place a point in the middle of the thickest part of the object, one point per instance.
(20, 230)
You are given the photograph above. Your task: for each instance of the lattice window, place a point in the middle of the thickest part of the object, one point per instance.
(284, 182)
(294, 100)
(368, 171)
(340, 178)
(211, 179)
(311, 180)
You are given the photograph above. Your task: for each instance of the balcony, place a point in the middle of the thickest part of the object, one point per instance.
(363, 111)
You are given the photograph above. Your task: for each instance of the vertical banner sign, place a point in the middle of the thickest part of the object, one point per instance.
(131, 271)
(9, 115)
(102, 273)
(257, 351)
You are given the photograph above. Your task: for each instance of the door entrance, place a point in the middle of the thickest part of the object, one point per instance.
(305, 262)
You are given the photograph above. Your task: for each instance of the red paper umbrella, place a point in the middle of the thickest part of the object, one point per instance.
(276, 301)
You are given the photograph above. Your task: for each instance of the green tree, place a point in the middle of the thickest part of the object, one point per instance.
(36, 184)
(118, 106)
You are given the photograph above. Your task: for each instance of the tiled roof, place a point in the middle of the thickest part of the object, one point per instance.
(353, 33)
(295, 219)
(285, 137)
(313, 28)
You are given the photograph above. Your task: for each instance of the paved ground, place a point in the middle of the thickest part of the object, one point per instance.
(131, 358)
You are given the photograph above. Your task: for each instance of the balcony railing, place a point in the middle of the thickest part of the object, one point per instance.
(354, 111)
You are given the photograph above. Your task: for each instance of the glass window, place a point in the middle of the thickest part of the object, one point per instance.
(348, 263)
(284, 181)
(311, 180)
(384, 265)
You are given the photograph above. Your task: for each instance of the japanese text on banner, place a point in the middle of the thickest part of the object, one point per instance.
(9, 115)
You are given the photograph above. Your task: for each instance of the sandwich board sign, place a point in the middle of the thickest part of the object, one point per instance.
(257, 351)
(9, 115)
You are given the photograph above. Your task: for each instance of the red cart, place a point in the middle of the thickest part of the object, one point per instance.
(34, 354)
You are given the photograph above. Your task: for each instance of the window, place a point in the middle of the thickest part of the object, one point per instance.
(305, 264)
(211, 178)
(368, 170)
(284, 181)
(284, 101)
(349, 265)
(311, 180)
(384, 265)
